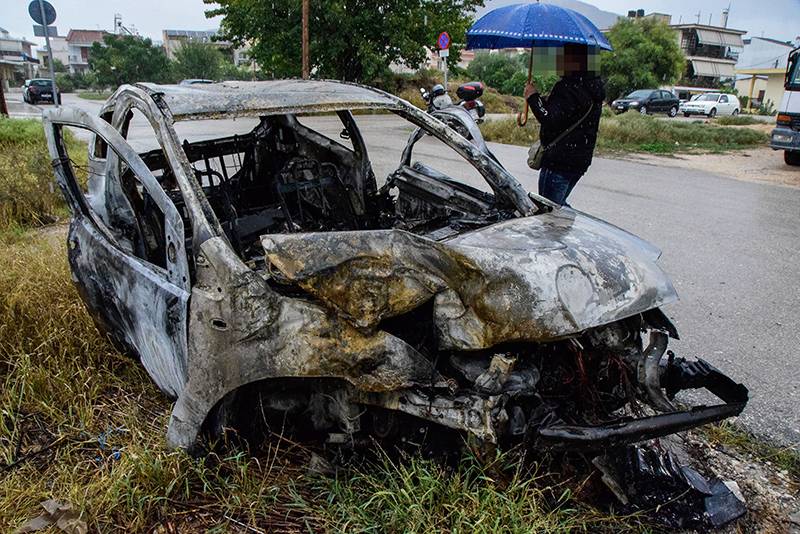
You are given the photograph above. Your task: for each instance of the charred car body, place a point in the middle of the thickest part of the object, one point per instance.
(268, 273)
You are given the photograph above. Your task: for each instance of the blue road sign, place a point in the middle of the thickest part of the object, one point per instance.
(36, 12)
(443, 41)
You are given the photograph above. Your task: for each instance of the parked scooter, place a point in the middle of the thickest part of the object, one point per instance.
(468, 94)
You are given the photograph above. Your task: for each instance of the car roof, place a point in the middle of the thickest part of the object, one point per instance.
(237, 98)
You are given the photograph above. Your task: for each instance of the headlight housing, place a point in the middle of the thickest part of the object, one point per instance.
(634, 103)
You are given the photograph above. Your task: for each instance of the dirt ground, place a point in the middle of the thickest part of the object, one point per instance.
(753, 165)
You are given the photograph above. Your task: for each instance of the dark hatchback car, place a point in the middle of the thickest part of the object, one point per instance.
(648, 101)
(38, 90)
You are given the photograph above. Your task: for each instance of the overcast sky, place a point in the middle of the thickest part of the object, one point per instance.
(779, 19)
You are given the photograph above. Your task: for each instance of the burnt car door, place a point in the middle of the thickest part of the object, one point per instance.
(134, 279)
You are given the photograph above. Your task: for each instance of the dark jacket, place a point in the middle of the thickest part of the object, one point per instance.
(568, 102)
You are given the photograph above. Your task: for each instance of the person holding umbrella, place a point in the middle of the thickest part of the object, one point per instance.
(570, 115)
(569, 118)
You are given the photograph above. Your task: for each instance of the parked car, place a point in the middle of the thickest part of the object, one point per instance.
(711, 105)
(268, 277)
(648, 101)
(38, 90)
(196, 81)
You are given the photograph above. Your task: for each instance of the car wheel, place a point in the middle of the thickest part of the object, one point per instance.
(687, 115)
(735, 112)
(643, 110)
(790, 157)
(673, 111)
(712, 113)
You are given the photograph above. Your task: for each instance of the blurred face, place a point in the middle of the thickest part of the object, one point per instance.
(566, 60)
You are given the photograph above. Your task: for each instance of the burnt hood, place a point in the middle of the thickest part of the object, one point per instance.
(537, 278)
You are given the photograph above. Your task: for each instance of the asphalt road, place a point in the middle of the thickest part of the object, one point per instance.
(731, 247)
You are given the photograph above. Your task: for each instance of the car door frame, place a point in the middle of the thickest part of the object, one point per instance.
(143, 306)
(728, 105)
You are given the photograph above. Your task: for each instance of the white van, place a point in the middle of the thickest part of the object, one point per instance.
(711, 105)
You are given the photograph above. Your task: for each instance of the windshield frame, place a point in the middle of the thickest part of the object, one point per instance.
(644, 93)
(792, 79)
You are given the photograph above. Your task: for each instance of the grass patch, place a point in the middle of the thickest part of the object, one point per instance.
(94, 95)
(738, 120)
(731, 435)
(636, 133)
(29, 195)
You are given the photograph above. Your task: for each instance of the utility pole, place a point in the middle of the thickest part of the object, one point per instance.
(3, 107)
(306, 62)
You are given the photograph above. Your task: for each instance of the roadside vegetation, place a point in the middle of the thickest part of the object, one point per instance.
(631, 132)
(94, 95)
(732, 435)
(28, 194)
(738, 120)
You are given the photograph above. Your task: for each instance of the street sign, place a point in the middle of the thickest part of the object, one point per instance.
(36, 12)
(38, 31)
(443, 41)
(444, 53)
(44, 13)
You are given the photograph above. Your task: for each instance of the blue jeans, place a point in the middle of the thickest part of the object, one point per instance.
(557, 185)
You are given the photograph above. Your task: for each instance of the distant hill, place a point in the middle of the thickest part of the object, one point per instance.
(601, 19)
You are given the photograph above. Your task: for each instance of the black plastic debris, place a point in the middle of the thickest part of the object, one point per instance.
(725, 504)
(645, 478)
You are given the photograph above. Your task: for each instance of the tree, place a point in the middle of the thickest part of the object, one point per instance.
(646, 55)
(508, 74)
(128, 59)
(349, 39)
(198, 60)
(58, 66)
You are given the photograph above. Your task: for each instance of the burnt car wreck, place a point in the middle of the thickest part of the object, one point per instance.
(270, 273)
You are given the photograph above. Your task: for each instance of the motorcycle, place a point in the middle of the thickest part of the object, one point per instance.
(468, 94)
(465, 116)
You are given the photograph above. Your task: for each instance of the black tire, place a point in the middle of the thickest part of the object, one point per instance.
(791, 157)
(712, 113)
(673, 111)
(687, 115)
(643, 110)
(735, 112)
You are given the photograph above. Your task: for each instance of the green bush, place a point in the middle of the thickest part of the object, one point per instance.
(738, 120)
(28, 193)
(65, 83)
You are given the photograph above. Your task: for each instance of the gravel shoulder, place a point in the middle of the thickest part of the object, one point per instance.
(762, 165)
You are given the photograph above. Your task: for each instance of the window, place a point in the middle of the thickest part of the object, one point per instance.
(723, 99)
(434, 154)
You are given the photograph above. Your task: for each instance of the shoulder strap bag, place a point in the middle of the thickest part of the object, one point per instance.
(536, 152)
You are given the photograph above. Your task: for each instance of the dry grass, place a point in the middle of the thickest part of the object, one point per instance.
(28, 193)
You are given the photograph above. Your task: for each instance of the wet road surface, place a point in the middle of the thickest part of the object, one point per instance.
(731, 247)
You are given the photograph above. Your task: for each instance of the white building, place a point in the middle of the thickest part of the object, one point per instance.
(16, 59)
(79, 44)
(60, 48)
(760, 70)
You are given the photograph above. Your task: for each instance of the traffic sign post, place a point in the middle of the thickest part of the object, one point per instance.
(44, 13)
(443, 42)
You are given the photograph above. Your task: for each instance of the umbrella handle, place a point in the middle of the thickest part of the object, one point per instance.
(522, 118)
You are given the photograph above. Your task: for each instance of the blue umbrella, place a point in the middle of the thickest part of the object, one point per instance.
(532, 25)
